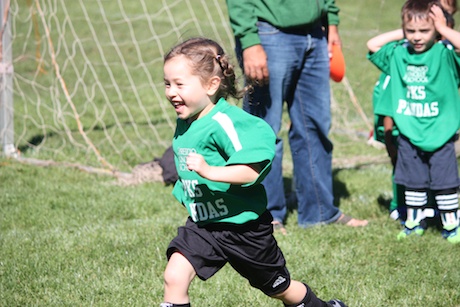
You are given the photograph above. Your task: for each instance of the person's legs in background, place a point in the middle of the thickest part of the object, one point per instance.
(267, 102)
(310, 114)
(298, 64)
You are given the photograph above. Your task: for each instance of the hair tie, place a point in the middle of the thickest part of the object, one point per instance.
(218, 57)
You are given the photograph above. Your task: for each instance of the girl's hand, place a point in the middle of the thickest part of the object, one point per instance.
(232, 174)
(196, 162)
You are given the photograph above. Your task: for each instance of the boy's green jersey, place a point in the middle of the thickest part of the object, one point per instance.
(227, 135)
(425, 103)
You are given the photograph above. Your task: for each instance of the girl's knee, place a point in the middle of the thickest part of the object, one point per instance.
(172, 277)
(179, 272)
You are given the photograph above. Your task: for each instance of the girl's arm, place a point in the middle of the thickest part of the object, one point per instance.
(233, 174)
(377, 42)
(440, 24)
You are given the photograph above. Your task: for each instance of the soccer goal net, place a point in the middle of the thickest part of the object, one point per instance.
(88, 86)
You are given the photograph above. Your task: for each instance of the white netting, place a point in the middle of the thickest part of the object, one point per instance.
(88, 84)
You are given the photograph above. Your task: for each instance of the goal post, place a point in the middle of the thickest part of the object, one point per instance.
(6, 83)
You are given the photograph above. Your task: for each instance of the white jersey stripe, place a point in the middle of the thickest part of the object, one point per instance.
(229, 128)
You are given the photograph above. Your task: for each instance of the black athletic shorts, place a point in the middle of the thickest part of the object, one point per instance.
(419, 169)
(250, 249)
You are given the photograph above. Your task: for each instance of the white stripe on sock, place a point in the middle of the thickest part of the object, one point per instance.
(416, 199)
(447, 202)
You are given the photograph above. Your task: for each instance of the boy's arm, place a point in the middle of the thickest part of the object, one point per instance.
(377, 42)
(440, 24)
(233, 174)
(390, 146)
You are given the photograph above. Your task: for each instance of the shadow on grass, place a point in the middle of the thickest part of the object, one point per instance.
(339, 190)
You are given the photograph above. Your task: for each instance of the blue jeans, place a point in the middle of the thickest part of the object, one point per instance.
(298, 64)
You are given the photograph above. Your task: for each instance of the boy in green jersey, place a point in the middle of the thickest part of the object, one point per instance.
(222, 154)
(425, 105)
(386, 132)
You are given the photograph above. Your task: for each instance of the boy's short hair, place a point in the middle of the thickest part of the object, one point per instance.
(417, 9)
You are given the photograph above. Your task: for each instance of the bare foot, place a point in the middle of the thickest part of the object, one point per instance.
(351, 222)
(279, 227)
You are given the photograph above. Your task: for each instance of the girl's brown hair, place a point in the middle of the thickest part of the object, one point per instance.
(208, 59)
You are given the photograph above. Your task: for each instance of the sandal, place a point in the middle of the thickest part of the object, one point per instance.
(279, 227)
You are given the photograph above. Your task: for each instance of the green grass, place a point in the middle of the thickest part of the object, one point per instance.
(69, 238)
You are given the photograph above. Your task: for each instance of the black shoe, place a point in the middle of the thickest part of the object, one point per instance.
(336, 303)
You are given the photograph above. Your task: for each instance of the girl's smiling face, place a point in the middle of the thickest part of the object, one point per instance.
(186, 91)
(420, 33)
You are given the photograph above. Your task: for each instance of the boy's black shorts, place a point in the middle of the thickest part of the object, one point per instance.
(250, 249)
(419, 169)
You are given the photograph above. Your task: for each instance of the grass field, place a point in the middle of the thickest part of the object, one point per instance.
(69, 238)
(72, 239)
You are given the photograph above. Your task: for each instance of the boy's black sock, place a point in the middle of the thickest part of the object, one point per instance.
(174, 305)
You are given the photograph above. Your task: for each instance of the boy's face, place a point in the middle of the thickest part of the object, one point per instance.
(420, 33)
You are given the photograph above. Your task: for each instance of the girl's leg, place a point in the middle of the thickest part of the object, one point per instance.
(294, 294)
(299, 294)
(178, 275)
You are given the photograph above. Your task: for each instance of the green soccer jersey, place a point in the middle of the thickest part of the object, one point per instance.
(425, 103)
(381, 97)
(227, 135)
(381, 102)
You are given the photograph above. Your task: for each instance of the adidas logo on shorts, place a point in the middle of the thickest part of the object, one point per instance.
(278, 281)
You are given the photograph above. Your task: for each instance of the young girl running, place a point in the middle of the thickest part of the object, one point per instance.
(222, 154)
